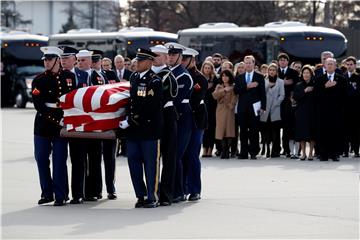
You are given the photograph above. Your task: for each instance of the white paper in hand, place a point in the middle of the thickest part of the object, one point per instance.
(257, 107)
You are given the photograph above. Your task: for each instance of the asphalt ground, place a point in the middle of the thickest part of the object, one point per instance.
(241, 199)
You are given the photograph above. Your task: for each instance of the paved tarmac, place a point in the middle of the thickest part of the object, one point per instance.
(252, 199)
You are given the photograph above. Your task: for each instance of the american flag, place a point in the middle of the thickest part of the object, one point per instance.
(95, 108)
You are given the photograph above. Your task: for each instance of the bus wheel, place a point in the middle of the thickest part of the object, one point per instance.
(20, 98)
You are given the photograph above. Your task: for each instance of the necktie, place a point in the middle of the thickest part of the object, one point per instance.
(247, 78)
(329, 77)
(283, 72)
(120, 77)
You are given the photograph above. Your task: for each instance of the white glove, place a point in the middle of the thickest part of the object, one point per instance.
(61, 123)
(124, 124)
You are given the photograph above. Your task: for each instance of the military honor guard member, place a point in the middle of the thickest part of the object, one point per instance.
(169, 136)
(191, 161)
(182, 104)
(46, 91)
(77, 146)
(106, 147)
(144, 125)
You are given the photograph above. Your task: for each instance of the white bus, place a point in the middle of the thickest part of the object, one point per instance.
(125, 42)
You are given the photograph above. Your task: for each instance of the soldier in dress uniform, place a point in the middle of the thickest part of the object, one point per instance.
(77, 146)
(46, 91)
(144, 123)
(182, 104)
(108, 146)
(169, 136)
(191, 163)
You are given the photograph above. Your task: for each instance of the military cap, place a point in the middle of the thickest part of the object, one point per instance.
(68, 51)
(144, 54)
(189, 52)
(84, 53)
(159, 49)
(174, 47)
(97, 55)
(51, 52)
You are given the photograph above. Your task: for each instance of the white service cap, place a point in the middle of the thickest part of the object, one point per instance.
(84, 53)
(190, 52)
(159, 49)
(50, 51)
(174, 47)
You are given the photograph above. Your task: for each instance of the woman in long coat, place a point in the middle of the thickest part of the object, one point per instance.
(225, 111)
(305, 111)
(271, 118)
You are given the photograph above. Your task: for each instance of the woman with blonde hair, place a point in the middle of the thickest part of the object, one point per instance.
(208, 70)
(275, 93)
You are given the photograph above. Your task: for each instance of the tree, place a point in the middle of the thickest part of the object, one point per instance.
(10, 18)
(70, 24)
(174, 15)
(103, 15)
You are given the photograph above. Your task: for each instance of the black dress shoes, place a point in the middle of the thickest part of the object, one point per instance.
(112, 196)
(140, 203)
(179, 199)
(253, 157)
(45, 200)
(99, 196)
(151, 204)
(90, 199)
(59, 202)
(76, 201)
(165, 203)
(194, 197)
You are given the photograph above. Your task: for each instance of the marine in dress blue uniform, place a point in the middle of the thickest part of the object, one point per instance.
(182, 104)
(191, 161)
(168, 143)
(144, 125)
(46, 91)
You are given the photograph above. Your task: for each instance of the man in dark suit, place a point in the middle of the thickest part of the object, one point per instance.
(321, 71)
(122, 73)
(250, 86)
(330, 93)
(352, 108)
(77, 146)
(217, 60)
(290, 77)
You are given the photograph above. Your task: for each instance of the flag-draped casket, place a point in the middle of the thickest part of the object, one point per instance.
(95, 108)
